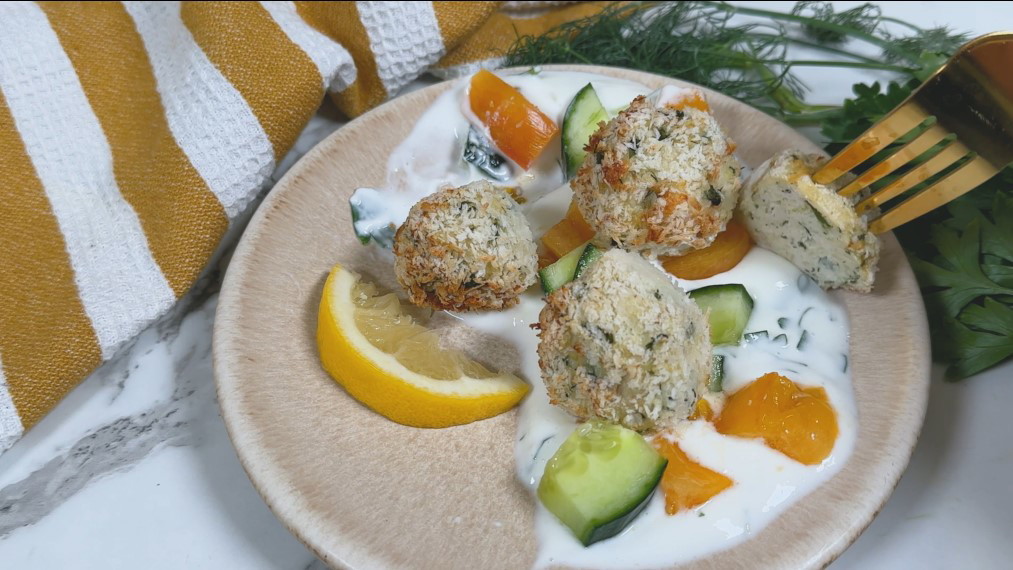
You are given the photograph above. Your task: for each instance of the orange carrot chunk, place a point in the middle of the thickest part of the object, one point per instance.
(562, 238)
(519, 129)
(579, 223)
(702, 411)
(798, 422)
(570, 232)
(728, 249)
(686, 483)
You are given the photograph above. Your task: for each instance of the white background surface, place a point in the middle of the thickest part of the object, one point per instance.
(135, 469)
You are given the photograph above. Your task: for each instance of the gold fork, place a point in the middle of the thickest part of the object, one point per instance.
(971, 100)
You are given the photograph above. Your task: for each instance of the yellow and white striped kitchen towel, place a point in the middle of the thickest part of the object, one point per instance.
(132, 133)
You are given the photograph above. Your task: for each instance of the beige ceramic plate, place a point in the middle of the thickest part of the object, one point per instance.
(364, 492)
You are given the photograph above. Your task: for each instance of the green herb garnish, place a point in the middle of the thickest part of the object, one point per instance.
(967, 278)
(699, 42)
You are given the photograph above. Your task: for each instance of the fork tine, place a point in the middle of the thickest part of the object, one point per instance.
(894, 125)
(959, 182)
(923, 142)
(946, 157)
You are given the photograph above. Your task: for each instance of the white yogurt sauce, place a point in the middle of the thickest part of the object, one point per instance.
(431, 156)
(786, 303)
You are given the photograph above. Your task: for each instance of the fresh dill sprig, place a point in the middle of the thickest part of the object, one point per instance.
(702, 42)
(694, 41)
(866, 17)
(933, 46)
(940, 40)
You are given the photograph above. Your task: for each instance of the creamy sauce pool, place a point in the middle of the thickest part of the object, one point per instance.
(786, 305)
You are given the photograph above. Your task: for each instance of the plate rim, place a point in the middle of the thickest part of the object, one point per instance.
(261, 472)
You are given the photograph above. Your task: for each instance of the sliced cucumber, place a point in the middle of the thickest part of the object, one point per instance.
(562, 271)
(717, 380)
(579, 123)
(730, 307)
(755, 336)
(587, 257)
(568, 267)
(600, 479)
(364, 237)
(369, 218)
(803, 340)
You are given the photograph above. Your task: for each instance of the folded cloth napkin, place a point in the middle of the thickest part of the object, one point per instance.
(132, 133)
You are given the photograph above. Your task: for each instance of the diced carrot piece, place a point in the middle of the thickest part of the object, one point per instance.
(574, 216)
(572, 231)
(686, 483)
(728, 249)
(562, 238)
(519, 129)
(799, 422)
(702, 411)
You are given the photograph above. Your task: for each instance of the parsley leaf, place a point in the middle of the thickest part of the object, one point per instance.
(968, 293)
(983, 337)
(1001, 274)
(997, 236)
(957, 273)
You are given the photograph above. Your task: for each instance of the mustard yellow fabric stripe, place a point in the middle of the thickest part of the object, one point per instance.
(275, 77)
(46, 339)
(497, 33)
(340, 22)
(181, 218)
(458, 20)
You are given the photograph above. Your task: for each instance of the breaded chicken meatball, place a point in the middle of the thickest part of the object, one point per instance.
(465, 249)
(810, 224)
(659, 179)
(623, 344)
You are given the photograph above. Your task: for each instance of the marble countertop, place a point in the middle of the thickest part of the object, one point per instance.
(135, 468)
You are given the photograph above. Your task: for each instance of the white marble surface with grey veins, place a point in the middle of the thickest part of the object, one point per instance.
(135, 470)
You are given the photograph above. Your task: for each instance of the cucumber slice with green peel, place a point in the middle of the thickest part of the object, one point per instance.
(367, 214)
(730, 307)
(562, 271)
(364, 237)
(600, 479)
(568, 267)
(587, 257)
(803, 340)
(716, 383)
(579, 123)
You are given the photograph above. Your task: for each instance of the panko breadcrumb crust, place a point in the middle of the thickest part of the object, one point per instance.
(465, 249)
(622, 343)
(659, 179)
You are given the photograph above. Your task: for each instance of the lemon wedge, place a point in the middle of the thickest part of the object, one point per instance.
(395, 366)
